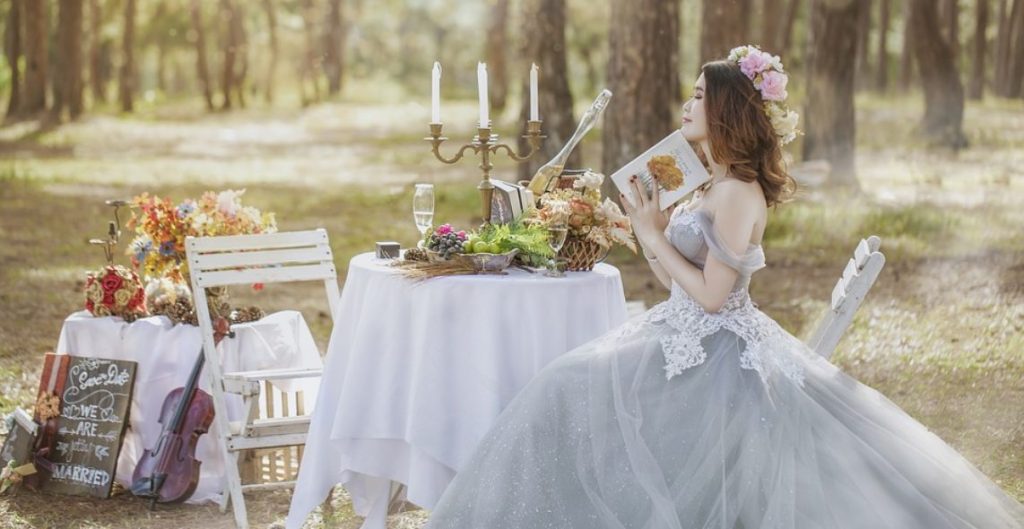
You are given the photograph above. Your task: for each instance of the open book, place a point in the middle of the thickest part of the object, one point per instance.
(671, 165)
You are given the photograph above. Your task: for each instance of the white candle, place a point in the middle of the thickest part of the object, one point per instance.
(435, 94)
(481, 79)
(534, 113)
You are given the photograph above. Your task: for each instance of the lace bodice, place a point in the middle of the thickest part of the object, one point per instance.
(694, 235)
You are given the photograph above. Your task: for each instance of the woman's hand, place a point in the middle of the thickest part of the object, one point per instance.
(648, 221)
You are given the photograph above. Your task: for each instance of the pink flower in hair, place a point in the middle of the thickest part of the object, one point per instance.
(773, 86)
(755, 62)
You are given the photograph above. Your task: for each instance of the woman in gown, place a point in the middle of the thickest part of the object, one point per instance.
(703, 412)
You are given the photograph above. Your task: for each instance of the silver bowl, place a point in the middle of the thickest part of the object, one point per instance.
(489, 263)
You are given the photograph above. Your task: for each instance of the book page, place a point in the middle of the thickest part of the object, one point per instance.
(671, 165)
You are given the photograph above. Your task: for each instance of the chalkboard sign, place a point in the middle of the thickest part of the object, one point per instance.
(93, 417)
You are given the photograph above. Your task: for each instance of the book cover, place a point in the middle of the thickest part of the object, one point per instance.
(671, 165)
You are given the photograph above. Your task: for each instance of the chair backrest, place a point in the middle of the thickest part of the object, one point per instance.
(858, 277)
(263, 258)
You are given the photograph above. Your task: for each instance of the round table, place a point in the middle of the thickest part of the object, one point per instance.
(416, 373)
(165, 354)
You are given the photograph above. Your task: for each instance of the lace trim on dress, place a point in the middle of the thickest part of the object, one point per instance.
(765, 349)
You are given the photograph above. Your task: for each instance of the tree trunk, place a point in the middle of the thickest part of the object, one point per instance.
(792, 8)
(642, 42)
(882, 72)
(863, 44)
(161, 48)
(543, 43)
(202, 67)
(97, 76)
(943, 92)
(68, 68)
(951, 27)
(36, 58)
(12, 51)
(771, 28)
(227, 77)
(126, 85)
(829, 118)
(313, 60)
(976, 87)
(1015, 83)
(724, 25)
(268, 90)
(334, 47)
(240, 41)
(1002, 49)
(497, 64)
(907, 57)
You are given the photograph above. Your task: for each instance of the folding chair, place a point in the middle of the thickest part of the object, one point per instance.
(246, 259)
(858, 277)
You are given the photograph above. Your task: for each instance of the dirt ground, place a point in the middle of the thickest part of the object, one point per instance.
(939, 333)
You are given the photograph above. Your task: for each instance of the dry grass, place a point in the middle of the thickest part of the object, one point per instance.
(940, 333)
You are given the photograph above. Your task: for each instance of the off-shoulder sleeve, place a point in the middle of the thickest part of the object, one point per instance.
(745, 264)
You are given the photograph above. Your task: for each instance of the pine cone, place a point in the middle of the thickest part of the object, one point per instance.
(416, 254)
(247, 314)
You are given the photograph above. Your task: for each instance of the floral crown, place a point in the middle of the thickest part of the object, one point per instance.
(766, 72)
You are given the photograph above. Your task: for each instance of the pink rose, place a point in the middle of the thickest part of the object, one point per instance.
(444, 229)
(773, 86)
(461, 235)
(754, 63)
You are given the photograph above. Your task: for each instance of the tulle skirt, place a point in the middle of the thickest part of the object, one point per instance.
(601, 439)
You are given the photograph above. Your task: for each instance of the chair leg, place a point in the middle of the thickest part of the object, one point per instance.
(234, 486)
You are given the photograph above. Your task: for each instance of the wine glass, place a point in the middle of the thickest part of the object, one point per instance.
(556, 238)
(423, 208)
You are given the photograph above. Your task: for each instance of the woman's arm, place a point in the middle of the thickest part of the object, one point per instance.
(659, 271)
(735, 218)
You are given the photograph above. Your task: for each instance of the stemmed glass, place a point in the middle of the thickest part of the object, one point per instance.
(556, 239)
(423, 208)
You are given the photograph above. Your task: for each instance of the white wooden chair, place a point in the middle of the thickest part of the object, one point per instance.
(246, 259)
(858, 277)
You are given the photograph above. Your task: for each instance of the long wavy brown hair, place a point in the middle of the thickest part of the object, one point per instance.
(741, 135)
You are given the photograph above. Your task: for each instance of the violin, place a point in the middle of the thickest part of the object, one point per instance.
(169, 472)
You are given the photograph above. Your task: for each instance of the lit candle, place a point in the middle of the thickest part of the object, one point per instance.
(435, 94)
(481, 78)
(534, 113)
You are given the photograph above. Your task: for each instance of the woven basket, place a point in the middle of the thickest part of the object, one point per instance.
(581, 255)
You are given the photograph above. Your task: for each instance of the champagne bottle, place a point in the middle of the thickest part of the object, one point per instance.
(548, 172)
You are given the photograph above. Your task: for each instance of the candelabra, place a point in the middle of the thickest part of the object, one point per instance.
(485, 144)
(113, 231)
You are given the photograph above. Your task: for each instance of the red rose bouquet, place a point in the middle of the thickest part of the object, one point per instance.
(115, 291)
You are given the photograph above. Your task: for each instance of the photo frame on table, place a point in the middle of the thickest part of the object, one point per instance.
(671, 165)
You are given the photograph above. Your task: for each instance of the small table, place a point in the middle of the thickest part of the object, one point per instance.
(416, 373)
(165, 354)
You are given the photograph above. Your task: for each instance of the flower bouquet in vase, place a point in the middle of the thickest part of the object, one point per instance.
(161, 226)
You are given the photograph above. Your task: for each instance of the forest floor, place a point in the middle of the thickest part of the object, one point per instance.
(940, 333)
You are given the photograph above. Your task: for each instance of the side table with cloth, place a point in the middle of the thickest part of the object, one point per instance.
(417, 372)
(166, 354)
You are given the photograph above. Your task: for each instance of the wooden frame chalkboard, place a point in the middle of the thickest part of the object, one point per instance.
(94, 414)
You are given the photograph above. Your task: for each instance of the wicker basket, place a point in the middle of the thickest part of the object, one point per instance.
(581, 255)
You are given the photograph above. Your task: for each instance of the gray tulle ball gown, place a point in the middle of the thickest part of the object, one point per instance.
(688, 419)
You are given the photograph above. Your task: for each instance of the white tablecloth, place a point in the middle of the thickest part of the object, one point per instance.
(416, 373)
(166, 354)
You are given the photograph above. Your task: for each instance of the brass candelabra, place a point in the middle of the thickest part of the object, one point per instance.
(113, 231)
(485, 144)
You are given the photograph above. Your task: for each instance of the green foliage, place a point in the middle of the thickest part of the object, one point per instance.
(530, 239)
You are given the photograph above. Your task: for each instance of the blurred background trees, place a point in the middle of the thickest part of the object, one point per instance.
(64, 58)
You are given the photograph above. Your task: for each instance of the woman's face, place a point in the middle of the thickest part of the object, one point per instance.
(695, 123)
